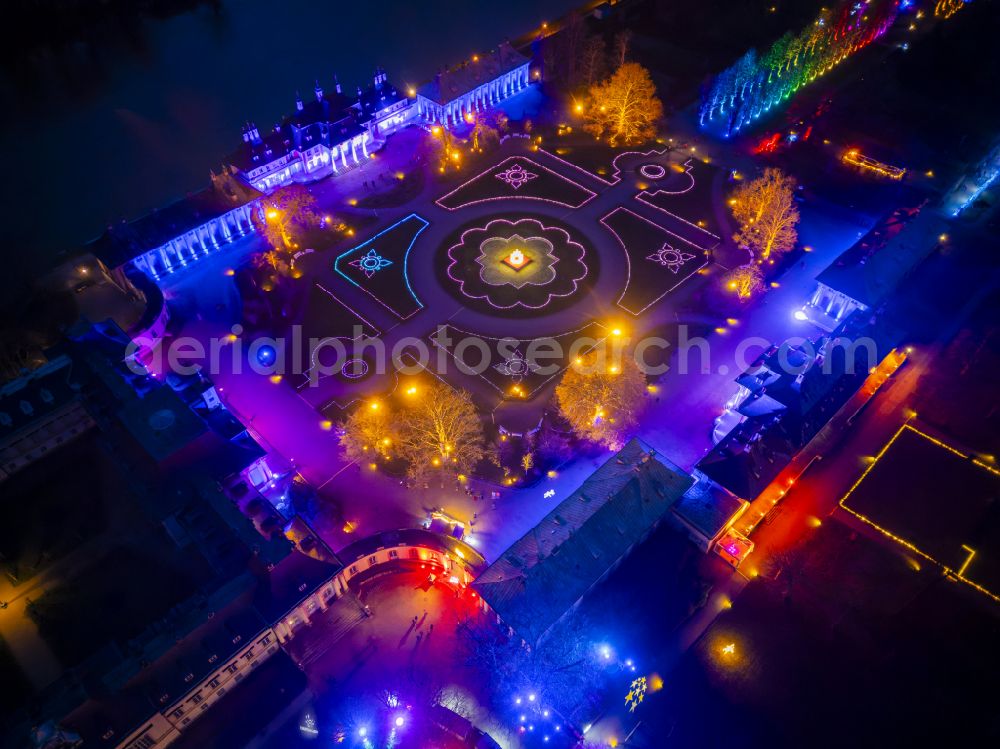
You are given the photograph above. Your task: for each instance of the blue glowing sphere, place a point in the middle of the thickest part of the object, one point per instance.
(266, 355)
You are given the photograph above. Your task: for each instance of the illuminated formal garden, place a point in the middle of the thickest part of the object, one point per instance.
(519, 265)
(581, 378)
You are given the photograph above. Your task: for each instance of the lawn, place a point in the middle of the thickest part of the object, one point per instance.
(517, 178)
(659, 261)
(692, 206)
(516, 369)
(936, 499)
(379, 266)
(859, 650)
(550, 286)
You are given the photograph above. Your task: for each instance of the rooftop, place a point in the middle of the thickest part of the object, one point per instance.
(126, 240)
(36, 395)
(874, 266)
(707, 510)
(471, 74)
(551, 567)
(784, 411)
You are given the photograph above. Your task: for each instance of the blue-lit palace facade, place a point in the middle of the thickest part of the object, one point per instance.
(327, 135)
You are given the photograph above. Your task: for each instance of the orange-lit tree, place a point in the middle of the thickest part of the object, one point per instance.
(369, 433)
(439, 148)
(440, 432)
(285, 216)
(767, 215)
(601, 397)
(624, 109)
(745, 281)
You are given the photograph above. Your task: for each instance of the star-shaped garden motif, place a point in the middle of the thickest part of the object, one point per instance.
(516, 366)
(370, 263)
(516, 176)
(670, 257)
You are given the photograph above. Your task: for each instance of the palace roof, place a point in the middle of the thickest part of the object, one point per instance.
(37, 395)
(376, 98)
(126, 240)
(254, 154)
(471, 74)
(553, 566)
(874, 266)
(785, 410)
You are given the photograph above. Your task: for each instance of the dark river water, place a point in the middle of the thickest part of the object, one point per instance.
(132, 119)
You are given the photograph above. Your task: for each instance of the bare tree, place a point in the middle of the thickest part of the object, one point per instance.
(745, 281)
(285, 215)
(624, 109)
(594, 61)
(370, 432)
(440, 432)
(601, 400)
(766, 212)
(563, 671)
(623, 40)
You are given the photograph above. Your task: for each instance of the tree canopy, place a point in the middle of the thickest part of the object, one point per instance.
(601, 397)
(624, 109)
(440, 431)
(767, 215)
(369, 433)
(285, 216)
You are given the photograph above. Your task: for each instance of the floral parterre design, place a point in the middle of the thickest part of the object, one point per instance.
(552, 264)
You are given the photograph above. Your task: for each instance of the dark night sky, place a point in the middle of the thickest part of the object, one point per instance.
(131, 120)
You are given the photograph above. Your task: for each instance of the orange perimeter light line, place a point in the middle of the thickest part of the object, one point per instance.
(968, 560)
(902, 541)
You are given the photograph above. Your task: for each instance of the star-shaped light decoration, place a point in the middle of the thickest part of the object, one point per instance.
(669, 257)
(370, 263)
(516, 176)
(516, 366)
(637, 693)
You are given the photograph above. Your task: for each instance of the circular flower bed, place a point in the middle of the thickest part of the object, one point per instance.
(653, 171)
(517, 265)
